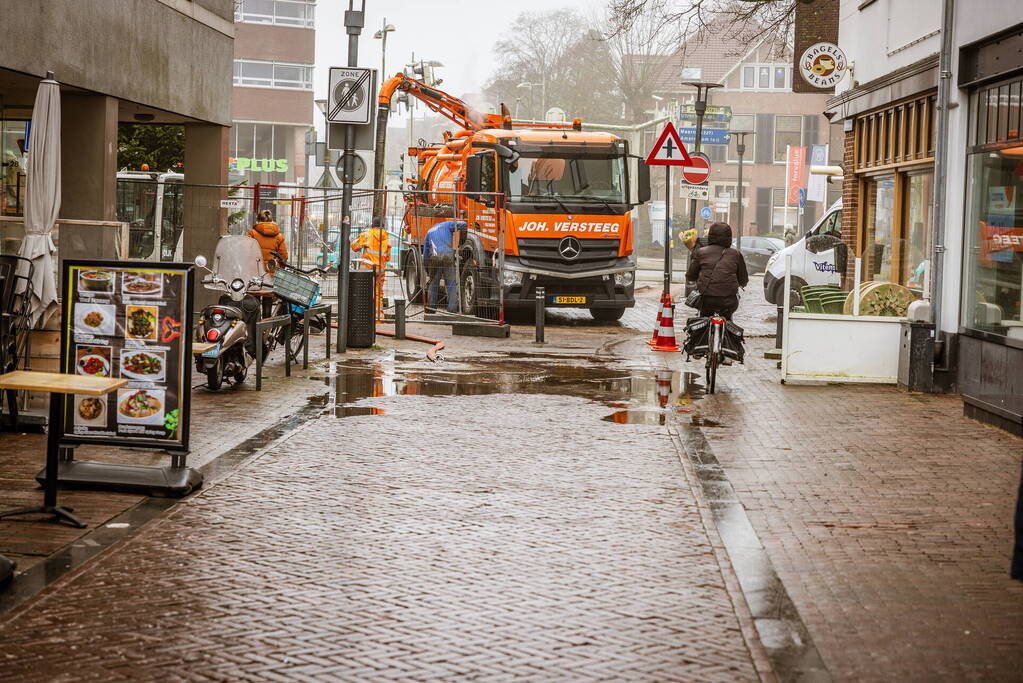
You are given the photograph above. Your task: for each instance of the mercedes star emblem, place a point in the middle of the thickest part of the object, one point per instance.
(569, 248)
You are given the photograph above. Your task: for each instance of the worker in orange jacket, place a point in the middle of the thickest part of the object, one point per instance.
(376, 251)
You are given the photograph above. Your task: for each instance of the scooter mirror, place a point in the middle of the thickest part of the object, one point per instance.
(200, 261)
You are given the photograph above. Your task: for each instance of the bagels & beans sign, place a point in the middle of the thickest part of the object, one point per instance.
(823, 65)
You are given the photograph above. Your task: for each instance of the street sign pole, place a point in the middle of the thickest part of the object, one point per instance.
(354, 21)
(667, 230)
(702, 89)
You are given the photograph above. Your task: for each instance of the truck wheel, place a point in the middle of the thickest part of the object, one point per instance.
(412, 276)
(607, 315)
(468, 288)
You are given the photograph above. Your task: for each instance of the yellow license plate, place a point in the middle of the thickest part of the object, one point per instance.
(569, 299)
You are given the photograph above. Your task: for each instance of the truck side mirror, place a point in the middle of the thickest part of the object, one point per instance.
(472, 177)
(643, 182)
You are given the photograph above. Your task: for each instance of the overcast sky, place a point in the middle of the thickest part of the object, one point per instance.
(457, 33)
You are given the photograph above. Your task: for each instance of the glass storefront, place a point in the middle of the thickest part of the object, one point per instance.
(879, 242)
(262, 153)
(993, 278)
(12, 167)
(993, 257)
(916, 263)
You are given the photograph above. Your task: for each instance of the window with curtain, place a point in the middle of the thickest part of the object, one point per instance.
(248, 72)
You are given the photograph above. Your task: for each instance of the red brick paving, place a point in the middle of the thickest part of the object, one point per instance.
(887, 515)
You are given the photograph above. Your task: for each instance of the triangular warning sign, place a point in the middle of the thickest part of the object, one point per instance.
(668, 150)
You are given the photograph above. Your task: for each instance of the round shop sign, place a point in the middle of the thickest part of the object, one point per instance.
(823, 65)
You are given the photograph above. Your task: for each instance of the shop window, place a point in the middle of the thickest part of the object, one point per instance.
(993, 278)
(787, 132)
(879, 221)
(12, 167)
(916, 257)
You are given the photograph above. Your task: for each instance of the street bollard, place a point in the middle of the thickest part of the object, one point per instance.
(399, 318)
(539, 314)
(779, 328)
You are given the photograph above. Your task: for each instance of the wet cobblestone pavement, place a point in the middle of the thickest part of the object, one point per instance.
(492, 536)
(531, 512)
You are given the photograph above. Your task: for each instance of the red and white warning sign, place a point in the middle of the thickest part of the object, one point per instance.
(697, 171)
(668, 150)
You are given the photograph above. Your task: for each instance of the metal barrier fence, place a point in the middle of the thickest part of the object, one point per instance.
(174, 221)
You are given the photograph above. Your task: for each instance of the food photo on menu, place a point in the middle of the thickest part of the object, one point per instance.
(149, 285)
(93, 282)
(90, 411)
(92, 360)
(143, 365)
(140, 406)
(140, 322)
(95, 319)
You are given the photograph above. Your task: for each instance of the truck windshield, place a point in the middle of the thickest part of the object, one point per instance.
(575, 176)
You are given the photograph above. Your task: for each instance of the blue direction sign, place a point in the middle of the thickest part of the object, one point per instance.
(705, 213)
(710, 136)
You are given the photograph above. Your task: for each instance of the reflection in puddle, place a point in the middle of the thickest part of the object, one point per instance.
(636, 417)
(629, 389)
(705, 422)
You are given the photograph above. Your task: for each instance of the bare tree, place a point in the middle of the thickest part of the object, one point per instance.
(638, 53)
(747, 19)
(563, 65)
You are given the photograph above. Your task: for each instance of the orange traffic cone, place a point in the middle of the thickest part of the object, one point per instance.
(666, 330)
(653, 337)
(663, 387)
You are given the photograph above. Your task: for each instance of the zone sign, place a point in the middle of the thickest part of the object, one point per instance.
(350, 95)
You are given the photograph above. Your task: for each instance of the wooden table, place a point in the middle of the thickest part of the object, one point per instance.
(58, 385)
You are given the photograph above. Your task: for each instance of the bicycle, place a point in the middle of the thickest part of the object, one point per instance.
(706, 337)
(294, 302)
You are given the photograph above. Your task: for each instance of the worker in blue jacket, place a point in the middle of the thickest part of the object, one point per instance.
(439, 255)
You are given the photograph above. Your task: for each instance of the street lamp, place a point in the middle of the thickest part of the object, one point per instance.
(740, 150)
(532, 100)
(381, 35)
(656, 100)
(702, 90)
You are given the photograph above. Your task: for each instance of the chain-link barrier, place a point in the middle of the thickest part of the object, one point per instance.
(451, 275)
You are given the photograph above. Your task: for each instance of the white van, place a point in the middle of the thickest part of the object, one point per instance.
(808, 267)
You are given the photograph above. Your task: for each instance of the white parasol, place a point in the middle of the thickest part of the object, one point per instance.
(42, 201)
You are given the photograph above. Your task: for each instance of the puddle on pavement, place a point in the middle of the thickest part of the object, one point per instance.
(641, 395)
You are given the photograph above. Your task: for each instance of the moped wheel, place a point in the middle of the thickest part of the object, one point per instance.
(215, 375)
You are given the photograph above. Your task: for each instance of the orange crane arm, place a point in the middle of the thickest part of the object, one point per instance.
(438, 101)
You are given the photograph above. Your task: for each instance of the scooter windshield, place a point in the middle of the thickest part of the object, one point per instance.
(238, 256)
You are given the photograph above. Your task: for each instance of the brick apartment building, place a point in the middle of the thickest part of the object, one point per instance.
(758, 85)
(273, 90)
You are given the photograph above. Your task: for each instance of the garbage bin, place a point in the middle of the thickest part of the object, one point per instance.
(916, 357)
(362, 331)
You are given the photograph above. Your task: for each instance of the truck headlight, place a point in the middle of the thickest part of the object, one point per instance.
(624, 279)
(511, 278)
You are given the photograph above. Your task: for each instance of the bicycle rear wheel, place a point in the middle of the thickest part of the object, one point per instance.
(712, 371)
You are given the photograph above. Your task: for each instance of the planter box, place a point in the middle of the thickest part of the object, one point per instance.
(841, 348)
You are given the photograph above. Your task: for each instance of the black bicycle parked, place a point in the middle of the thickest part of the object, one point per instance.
(294, 292)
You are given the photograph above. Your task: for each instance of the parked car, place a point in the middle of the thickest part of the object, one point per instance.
(816, 263)
(758, 250)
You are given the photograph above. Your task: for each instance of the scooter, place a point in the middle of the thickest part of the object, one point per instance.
(231, 323)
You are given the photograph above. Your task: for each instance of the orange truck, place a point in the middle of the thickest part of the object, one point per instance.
(552, 202)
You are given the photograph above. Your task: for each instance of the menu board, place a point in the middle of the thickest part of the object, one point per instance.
(131, 321)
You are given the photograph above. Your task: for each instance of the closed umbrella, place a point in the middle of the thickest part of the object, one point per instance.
(42, 201)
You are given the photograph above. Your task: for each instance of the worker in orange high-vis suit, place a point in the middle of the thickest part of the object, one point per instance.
(376, 251)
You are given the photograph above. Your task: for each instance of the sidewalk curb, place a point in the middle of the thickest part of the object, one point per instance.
(758, 653)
